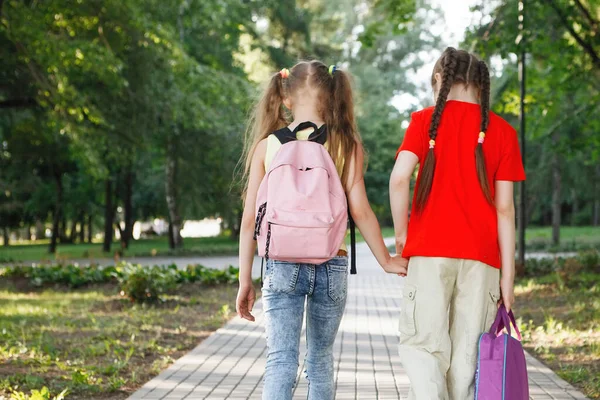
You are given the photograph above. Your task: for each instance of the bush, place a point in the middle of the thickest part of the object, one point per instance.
(566, 271)
(146, 284)
(590, 259)
(199, 273)
(540, 266)
(139, 283)
(70, 275)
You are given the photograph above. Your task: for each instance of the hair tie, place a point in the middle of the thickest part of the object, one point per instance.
(285, 73)
(481, 137)
(332, 69)
(431, 144)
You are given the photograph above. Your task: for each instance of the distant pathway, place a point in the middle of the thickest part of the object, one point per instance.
(230, 363)
(222, 262)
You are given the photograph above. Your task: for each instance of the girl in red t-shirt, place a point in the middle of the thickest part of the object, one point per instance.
(462, 227)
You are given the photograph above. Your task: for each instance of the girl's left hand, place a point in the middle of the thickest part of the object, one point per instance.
(396, 265)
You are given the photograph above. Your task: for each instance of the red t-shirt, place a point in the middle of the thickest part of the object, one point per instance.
(457, 221)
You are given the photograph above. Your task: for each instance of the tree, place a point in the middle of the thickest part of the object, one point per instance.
(563, 91)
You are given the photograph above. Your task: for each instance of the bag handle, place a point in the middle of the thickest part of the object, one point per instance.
(503, 320)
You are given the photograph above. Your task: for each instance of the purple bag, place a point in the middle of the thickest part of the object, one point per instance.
(501, 367)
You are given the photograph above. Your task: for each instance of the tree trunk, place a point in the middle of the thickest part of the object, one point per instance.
(73, 232)
(56, 216)
(40, 231)
(82, 228)
(90, 228)
(575, 209)
(6, 236)
(235, 224)
(63, 230)
(28, 232)
(128, 200)
(171, 195)
(556, 203)
(108, 215)
(171, 243)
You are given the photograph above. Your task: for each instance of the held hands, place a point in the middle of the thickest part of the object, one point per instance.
(507, 290)
(396, 265)
(245, 301)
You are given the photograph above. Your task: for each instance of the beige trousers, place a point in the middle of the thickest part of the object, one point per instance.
(447, 303)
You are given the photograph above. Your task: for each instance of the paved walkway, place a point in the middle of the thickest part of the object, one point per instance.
(230, 363)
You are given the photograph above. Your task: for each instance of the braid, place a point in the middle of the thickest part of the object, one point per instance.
(448, 72)
(449, 64)
(484, 86)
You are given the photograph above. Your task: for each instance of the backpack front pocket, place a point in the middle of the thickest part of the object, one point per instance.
(290, 242)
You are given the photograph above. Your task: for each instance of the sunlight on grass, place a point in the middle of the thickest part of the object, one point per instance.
(562, 327)
(92, 340)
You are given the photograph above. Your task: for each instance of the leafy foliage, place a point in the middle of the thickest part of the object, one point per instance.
(137, 282)
(562, 77)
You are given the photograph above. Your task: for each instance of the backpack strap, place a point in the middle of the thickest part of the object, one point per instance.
(286, 135)
(352, 243)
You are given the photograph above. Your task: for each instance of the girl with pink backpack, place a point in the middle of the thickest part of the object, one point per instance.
(304, 169)
(461, 233)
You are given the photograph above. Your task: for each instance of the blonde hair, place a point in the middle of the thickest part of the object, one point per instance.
(336, 108)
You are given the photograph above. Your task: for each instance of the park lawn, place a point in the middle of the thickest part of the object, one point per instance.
(561, 327)
(95, 343)
(572, 238)
(159, 246)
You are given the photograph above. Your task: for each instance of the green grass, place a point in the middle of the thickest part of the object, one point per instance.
(567, 233)
(560, 322)
(572, 238)
(93, 342)
(139, 248)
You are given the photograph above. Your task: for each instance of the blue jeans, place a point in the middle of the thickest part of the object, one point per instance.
(285, 289)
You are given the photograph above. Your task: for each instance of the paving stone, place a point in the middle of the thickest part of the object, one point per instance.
(230, 363)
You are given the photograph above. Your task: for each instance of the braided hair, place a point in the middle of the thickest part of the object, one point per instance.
(449, 63)
(456, 67)
(484, 87)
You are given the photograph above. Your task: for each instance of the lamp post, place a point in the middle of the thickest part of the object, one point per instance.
(521, 219)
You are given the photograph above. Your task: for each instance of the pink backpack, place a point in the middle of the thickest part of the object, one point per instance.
(301, 206)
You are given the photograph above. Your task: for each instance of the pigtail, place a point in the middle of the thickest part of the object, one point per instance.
(484, 85)
(268, 115)
(340, 120)
(449, 63)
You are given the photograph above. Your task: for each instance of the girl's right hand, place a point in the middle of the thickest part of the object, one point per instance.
(396, 265)
(245, 301)
(507, 289)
